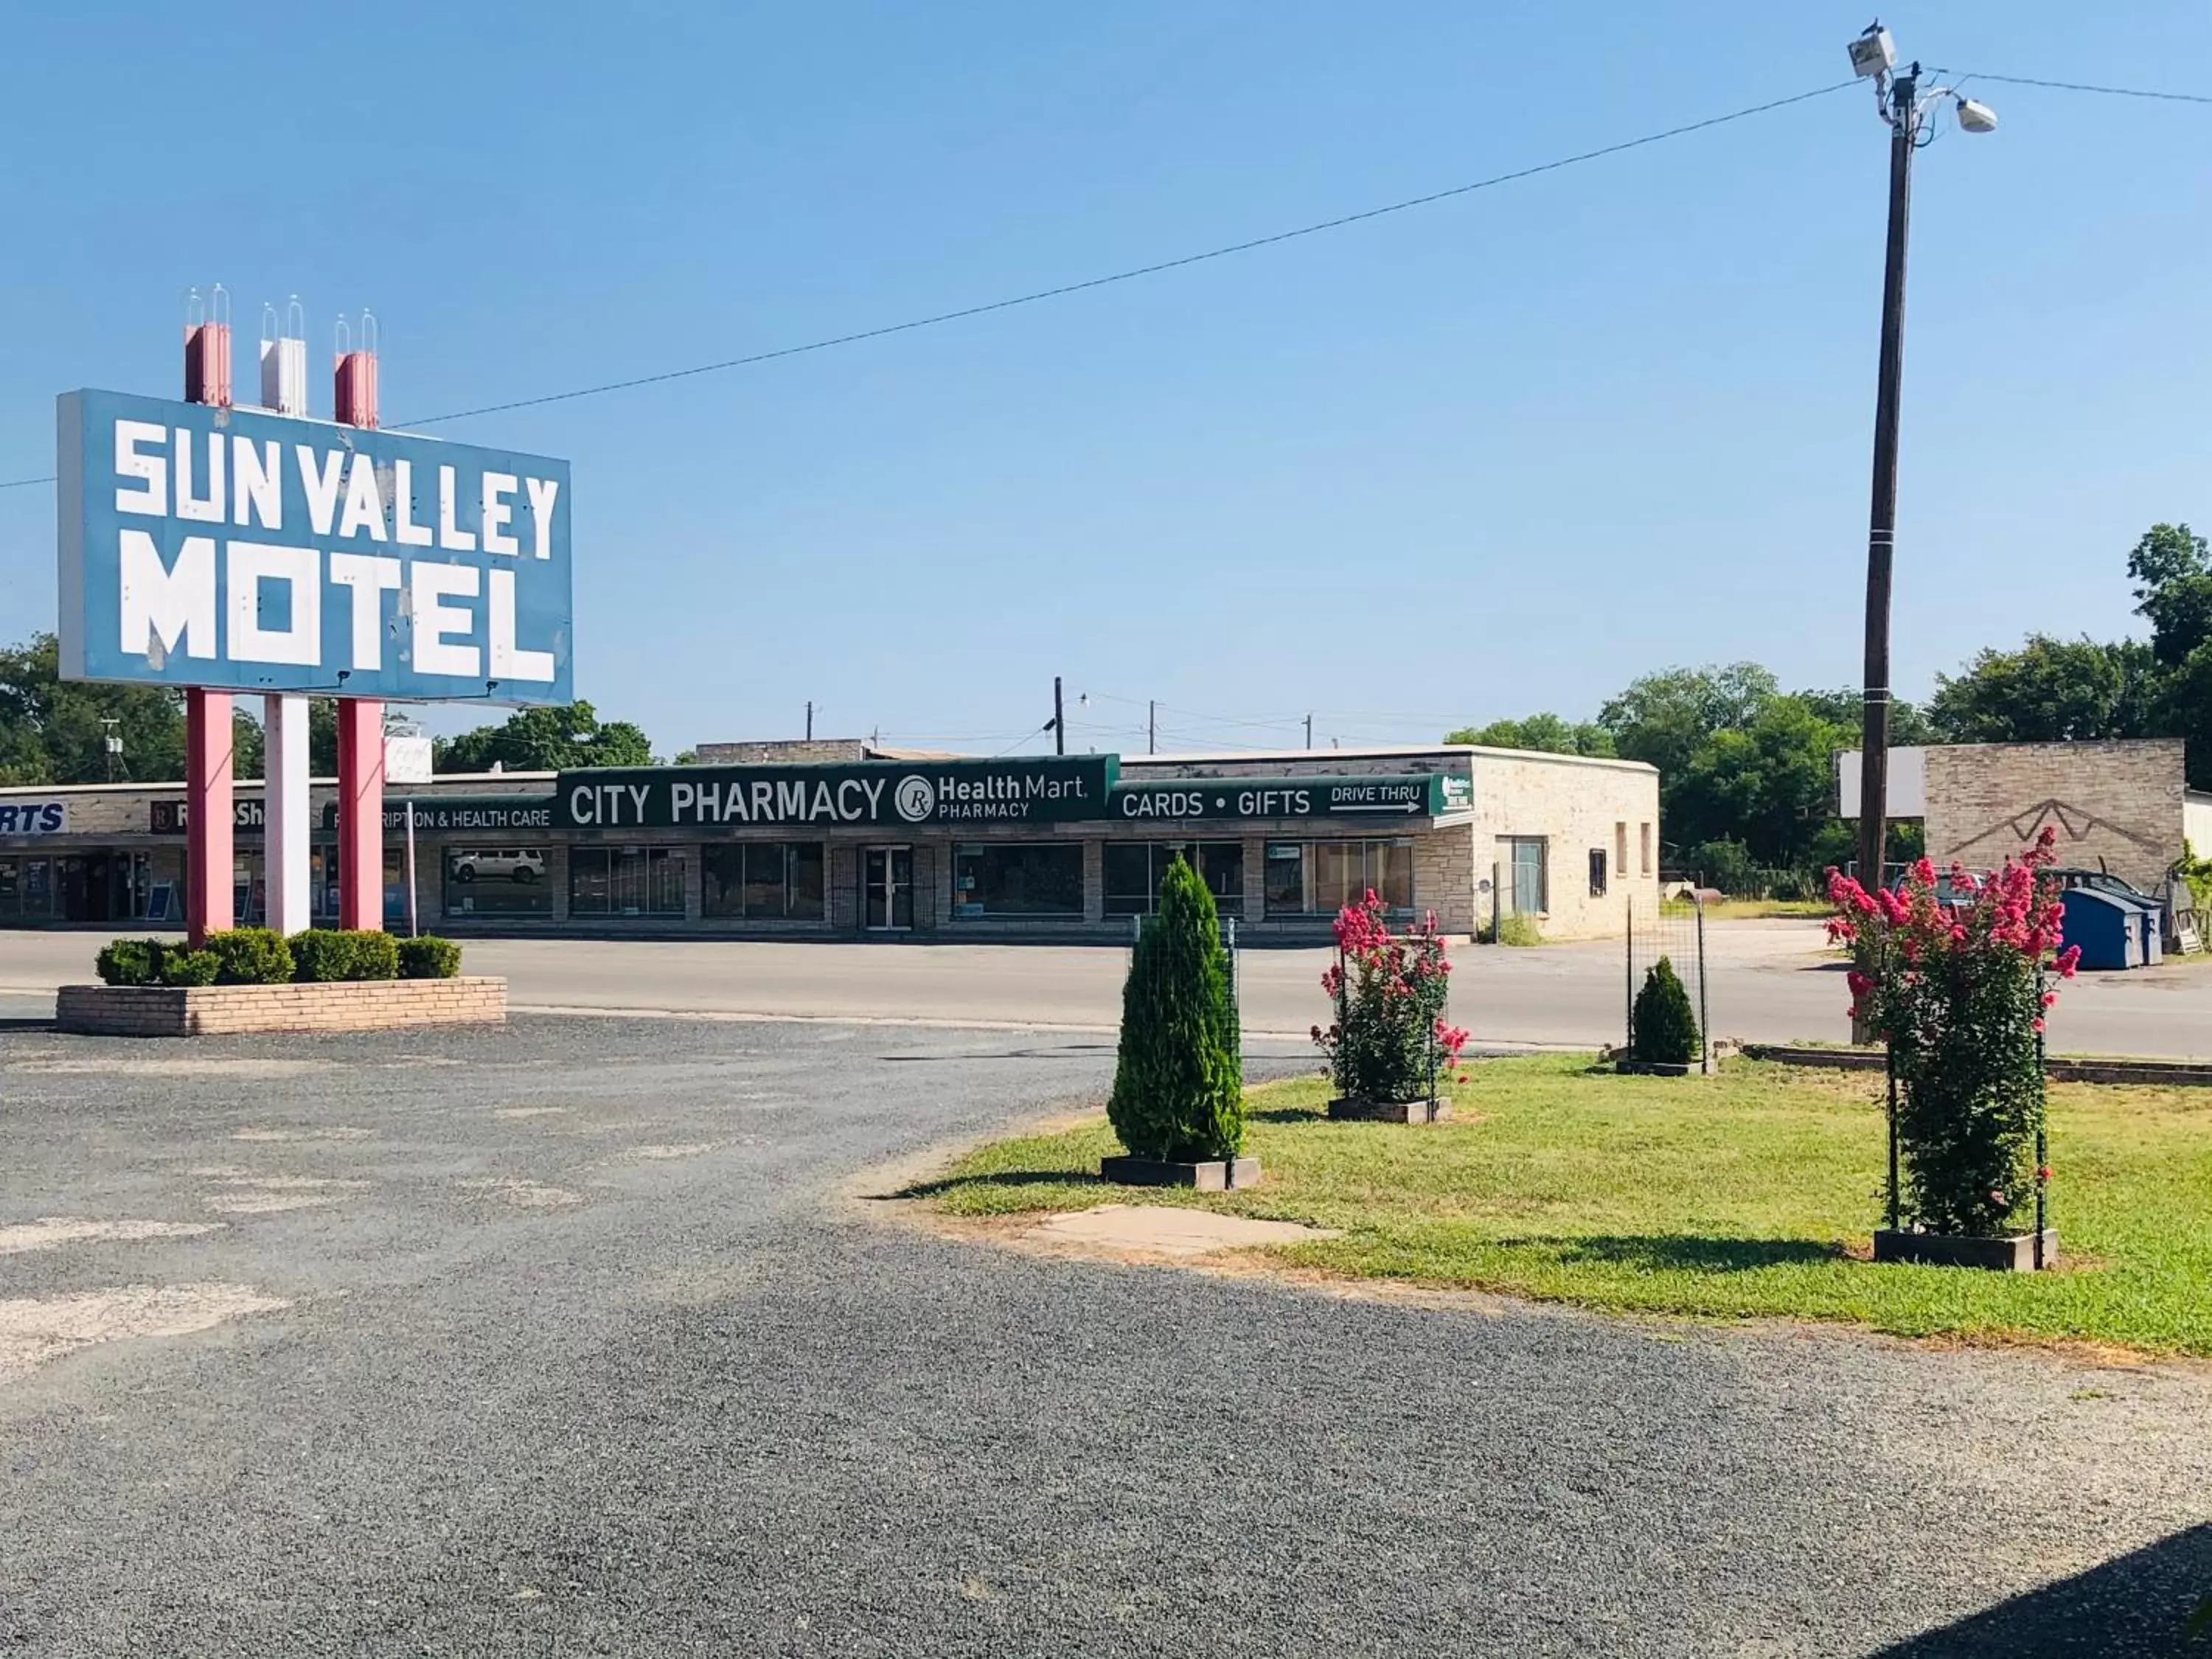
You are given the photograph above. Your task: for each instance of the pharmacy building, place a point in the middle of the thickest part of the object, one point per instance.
(843, 839)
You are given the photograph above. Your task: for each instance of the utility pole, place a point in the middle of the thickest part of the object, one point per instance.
(810, 719)
(1152, 726)
(1309, 730)
(1901, 104)
(1059, 719)
(1882, 517)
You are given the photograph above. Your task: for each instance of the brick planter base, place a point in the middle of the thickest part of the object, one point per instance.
(224, 1010)
(1349, 1107)
(2012, 1254)
(1208, 1175)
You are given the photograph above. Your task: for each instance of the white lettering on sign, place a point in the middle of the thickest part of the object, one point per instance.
(405, 530)
(301, 570)
(257, 477)
(366, 576)
(429, 586)
(364, 505)
(165, 606)
(132, 438)
(451, 536)
(543, 493)
(209, 507)
(498, 512)
(321, 477)
(1274, 803)
(508, 661)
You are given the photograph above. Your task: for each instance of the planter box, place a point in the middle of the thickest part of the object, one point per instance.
(1350, 1108)
(2012, 1254)
(1210, 1175)
(1655, 1067)
(227, 1010)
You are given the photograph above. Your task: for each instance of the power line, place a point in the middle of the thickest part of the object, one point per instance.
(1135, 272)
(18, 483)
(2109, 92)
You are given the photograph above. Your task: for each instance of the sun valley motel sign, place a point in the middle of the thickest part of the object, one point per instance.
(238, 550)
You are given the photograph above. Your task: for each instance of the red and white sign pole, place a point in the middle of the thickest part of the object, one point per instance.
(361, 719)
(207, 823)
(284, 715)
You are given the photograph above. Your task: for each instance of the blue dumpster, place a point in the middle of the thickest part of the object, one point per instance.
(2108, 928)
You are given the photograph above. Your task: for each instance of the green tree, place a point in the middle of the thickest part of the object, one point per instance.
(2173, 573)
(1178, 1082)
(2050, 691)
(545, 739)
(1663, 718)
(1546, 732)
(52, 730)
(1908, 726)
(1768, 784)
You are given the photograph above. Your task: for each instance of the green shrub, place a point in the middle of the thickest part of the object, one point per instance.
(251, 956)
(183, 968)
(325, 955)
(130, 961)
(1665, 1027)
(428, 957)
(1178, 1083)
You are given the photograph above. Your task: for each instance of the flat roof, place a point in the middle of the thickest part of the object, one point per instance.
(1388, 751)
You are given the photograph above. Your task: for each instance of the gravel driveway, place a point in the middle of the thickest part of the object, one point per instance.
(564, 1340)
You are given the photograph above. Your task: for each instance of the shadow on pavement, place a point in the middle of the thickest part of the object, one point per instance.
(2155, 1603)
(1005, 1178)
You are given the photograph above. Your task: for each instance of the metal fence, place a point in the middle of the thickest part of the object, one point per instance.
(1674, 932)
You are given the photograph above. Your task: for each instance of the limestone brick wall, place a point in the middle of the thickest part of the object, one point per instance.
(1574, 805)
(218, 1010)
(2119, 805)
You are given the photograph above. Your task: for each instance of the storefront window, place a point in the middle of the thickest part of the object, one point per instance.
(1025, 879)
(1320, 877)
(27, 889)
(763, 880)
(498, 881)
(625, 881)
(1134, 871)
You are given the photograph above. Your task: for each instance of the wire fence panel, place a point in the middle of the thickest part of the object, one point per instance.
(1674, 932)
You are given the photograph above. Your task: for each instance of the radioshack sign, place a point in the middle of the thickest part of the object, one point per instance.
(248, 551)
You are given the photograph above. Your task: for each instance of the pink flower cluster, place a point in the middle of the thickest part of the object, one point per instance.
(1397, 978)
(1918, 925)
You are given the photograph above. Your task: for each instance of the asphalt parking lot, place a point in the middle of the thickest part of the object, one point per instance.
(572, 1338)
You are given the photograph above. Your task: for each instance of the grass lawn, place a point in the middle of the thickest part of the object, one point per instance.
(1728, 909)
(1750, 1193)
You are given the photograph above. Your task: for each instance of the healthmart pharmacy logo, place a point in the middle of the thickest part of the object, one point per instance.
(915, 798)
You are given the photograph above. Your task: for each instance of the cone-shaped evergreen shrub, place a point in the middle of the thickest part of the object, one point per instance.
(1665, 1025)
(1178, 1087)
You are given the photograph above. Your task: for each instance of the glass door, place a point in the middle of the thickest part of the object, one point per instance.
(887, 888)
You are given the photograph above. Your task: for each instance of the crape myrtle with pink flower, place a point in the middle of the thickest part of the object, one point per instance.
(1390, 1038)
(1956, 978)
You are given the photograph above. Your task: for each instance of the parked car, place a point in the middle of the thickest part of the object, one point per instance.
(520, 863)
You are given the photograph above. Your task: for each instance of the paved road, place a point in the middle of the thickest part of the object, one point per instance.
(1771, 981)
(563, 1341)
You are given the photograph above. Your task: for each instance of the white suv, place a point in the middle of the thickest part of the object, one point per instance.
(521, 865)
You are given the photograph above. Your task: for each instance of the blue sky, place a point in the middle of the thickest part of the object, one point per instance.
(1485, 457)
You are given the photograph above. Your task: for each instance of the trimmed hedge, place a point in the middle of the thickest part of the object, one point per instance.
(130, 961)
(429, 957)
(1666, 1029)
(251, 956)
(322, 955)
(184, 968)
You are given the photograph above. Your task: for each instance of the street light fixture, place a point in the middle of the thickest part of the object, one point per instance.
(1903, 105)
